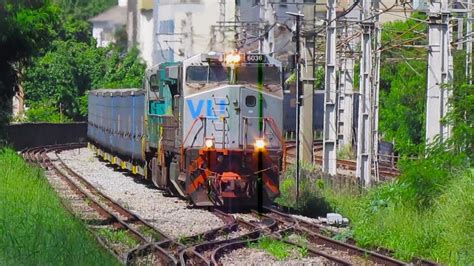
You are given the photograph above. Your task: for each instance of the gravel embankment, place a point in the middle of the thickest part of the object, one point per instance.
(252, 256)
(170, 214)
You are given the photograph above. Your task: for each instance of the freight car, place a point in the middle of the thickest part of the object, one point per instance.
(207, 128)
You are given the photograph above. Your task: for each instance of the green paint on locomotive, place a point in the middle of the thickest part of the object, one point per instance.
(160, 102)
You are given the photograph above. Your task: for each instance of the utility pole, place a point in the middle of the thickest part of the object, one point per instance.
(364, 131)
(330, 113)
(346, 81)
(306, 115)
(188, 37)
(156, 21)
(460, 37)
(469, 43)
(376, 91)
(439, 71)
(268, 15)
(297, 16)
(221, 24)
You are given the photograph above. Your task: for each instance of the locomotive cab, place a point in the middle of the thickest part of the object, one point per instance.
(214, 125)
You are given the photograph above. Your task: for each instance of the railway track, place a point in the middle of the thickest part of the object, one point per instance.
(385, 171)
(109, 214)
(208, 248)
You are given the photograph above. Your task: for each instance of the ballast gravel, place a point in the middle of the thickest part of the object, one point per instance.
(252, 256)
(169, 214)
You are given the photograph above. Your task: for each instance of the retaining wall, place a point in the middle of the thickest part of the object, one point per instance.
(27, 135)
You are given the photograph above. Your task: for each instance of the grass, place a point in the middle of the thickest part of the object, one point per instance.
(442, 232)
(118, 236)
(279, 249)
(346, 153)
(428, 212)
(34, 227)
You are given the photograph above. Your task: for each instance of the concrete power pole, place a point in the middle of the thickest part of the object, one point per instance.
(364, 131)
(460, 24)
(306, 116)
(376, 90)
(156, 21)
(330, 95)
(439, 71)
(268, 13)
(189, 35)
(221, 24)
(469, 43)
(346, 82)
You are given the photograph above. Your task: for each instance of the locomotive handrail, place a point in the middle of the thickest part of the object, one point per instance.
(186, 139)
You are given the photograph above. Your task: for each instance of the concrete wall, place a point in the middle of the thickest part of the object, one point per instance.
(25, 135)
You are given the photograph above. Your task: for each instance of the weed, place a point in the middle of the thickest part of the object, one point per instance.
(346, 153)
(303, 251)
(118, 236)
(344, 235)
(150, 232)
(279, 249)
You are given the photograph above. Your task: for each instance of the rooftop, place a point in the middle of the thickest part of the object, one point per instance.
(115, 15)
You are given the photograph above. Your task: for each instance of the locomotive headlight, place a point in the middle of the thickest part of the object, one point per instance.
(232, 58)
(260, 144)
(209, 143)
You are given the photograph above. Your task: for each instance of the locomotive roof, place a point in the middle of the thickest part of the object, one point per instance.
(117, 92)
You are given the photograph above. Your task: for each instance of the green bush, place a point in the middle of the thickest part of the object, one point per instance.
(34, 227)
(384, 216)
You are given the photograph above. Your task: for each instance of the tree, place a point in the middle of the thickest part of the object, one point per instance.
(403, 84)
(26, 28)
(84, 9)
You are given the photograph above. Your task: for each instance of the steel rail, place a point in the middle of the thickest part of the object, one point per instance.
(40, 156)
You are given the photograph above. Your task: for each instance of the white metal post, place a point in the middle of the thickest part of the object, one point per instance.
(376, 91)
(330, 126)
(439, 71)
(460, 24)
(346, 81)
(469, 43)
(364, 131)
(307, 73)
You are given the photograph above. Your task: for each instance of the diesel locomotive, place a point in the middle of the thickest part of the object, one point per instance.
(207, 128)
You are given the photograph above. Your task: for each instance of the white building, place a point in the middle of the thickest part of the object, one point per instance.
(140, 25)
(106, 25)
(187, 27)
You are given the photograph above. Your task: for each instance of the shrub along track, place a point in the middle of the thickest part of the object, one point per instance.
(153, 246)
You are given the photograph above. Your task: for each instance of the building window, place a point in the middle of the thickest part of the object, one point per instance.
(283, 3)
(167, 26)
(255, 2)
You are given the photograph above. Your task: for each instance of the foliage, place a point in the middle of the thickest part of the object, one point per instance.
(46, 47)
(84, 9)
(45, 111)
(346, 153)
(34, 227)
(461, 119)
(385, 216)
(26, 27)
(71, 68)
(118, 237)
(403, 84)
(279, 249)
(310, 199)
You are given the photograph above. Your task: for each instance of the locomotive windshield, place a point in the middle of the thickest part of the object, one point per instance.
(243, 74)
(206, 74)
(249, 74)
